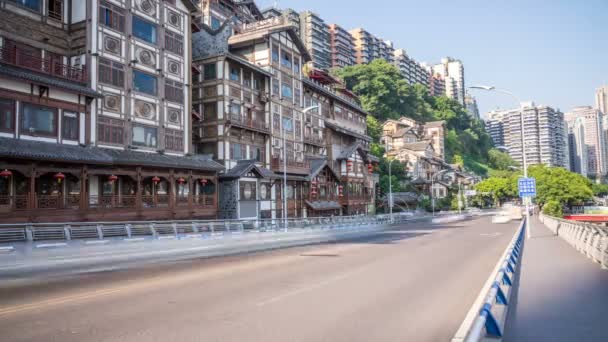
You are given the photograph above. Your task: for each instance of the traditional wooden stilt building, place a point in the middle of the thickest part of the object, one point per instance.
(95, 120)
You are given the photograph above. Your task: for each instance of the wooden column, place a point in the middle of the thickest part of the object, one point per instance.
(84, 190)
(138, 191)
(216, 198)
(32, 194)
(190, 192)
(171, 189)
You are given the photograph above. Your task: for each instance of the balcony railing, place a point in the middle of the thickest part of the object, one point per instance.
(58, 201)
(245, 122)
(293, 166)
(112, 201)
(314, 139)
(18, 202)
(20, 58)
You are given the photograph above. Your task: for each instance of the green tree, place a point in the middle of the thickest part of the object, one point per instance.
(500, 160)
(553, 208)
(600, 189)
(561, 185)
(374, 129)
(499, 189)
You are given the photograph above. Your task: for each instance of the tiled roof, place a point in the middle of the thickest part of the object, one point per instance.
(336, 127)
(434, 123)
(38, 150)
(32, 76)
(418, 145)
(323, 205)
(244, 166)
(317, 164)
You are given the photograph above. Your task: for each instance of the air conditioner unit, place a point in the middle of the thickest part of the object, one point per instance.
(263, 97)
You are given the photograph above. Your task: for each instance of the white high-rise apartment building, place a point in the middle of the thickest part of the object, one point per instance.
(594, 139)
(577, 146)
(601, 99)
(545, 134)
(452, 71)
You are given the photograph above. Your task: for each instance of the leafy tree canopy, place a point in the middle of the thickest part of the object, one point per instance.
(387, 95)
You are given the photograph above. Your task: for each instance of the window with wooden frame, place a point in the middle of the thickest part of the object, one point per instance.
(174, 91)
(38, 120)
(70, 125)
(174, 42)
(174, 140)
(110, 131)
(237, 151)
(55, 9)
(7, 115)
(112, 73)
(210, 111)
(112, 16)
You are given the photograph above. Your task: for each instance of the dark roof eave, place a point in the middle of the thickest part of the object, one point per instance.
(334, 96)
(34, 77)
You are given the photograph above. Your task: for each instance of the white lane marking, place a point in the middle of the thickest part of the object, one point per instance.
(133, 239)
(491, 234)
(166, 237)
(96, 242)
(306, 288)
(7, 249)
(50, 245)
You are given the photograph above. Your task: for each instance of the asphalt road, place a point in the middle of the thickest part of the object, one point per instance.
(413, 283)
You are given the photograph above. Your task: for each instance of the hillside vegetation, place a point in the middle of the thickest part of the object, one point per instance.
(386, 95)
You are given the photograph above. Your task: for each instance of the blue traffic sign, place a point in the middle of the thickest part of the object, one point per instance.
(527, 187)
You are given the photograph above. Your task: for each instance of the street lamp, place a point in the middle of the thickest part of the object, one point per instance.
(432, 186)
(306, 110)
(390, 185)
(523, 140)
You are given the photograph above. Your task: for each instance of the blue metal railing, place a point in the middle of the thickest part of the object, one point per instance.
(492, 314)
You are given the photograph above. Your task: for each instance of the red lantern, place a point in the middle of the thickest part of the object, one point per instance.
(349, 165)
(6, 173)
(341, 191)
(370, 168)
(155, 180)
(113, 178)
(203, 181)
(181, 180)
(59, 177)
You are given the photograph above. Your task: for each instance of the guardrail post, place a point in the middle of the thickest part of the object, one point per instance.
(153, 229)
(194, 227)
(174, 226)
(100, 231)
(29, 232)
(66, 232)
(128, 227)
(604, 252)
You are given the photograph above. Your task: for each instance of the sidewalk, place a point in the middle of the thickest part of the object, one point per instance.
(562, 295)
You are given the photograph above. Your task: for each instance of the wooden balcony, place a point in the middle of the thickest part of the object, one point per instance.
(51, 67)
(244, 122)
(314, 140)
(293, 166)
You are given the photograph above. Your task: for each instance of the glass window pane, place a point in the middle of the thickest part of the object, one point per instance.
(144, 83)
(69, 126)
(209, 72)
(38, 120)
(7, 115)
(144, 136)
(144, 30)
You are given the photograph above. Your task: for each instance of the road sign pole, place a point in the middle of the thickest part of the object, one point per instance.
(527, 189)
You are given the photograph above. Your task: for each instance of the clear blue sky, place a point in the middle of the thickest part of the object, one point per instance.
(553, 52)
